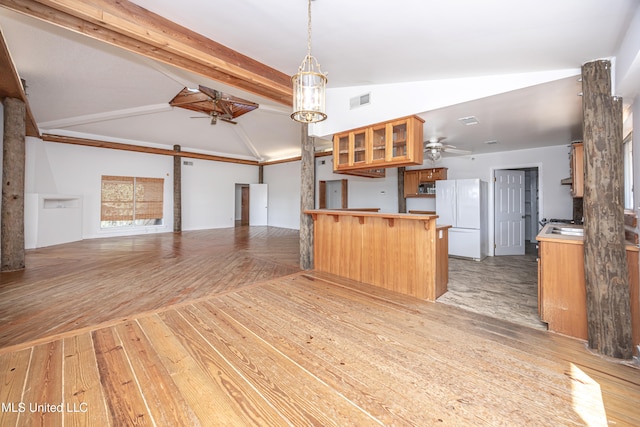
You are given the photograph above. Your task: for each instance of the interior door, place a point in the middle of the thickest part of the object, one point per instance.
(244, 213)
(509, 212)
(258, 208)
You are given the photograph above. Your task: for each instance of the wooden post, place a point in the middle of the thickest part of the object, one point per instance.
(13, 163)
(177, 190)
(307, 198)
(261, 174)
(605, 261)
(402, 202)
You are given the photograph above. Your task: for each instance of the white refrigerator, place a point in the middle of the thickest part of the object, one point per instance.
(462, 203)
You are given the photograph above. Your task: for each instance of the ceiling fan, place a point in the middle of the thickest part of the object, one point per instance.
(434, 147)
(215, 117)
(215, 104)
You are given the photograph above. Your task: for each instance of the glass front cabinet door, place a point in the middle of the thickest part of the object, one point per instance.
(389, 144)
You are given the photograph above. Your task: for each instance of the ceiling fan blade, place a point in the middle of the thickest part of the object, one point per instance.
(228, 120)
(454, 150)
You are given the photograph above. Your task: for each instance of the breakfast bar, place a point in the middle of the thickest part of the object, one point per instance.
(405, 253)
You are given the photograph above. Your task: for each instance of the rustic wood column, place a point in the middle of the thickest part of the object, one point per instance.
(261, 174)
(13, 163)
(402, 202)
(605, 261)
(307, 198)
(177, 190)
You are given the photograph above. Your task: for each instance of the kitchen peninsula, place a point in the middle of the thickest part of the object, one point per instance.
(401, 252)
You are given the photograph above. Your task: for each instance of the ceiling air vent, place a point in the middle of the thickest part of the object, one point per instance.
(469, 120)
(359, 101)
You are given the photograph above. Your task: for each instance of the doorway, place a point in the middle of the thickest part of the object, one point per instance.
(516, 210)
(251, 204)
(242, 205)
(334, 194)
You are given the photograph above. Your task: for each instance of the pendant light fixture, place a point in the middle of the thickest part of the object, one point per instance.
(309, 86)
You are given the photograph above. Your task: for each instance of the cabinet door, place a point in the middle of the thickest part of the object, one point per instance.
(427, 175)
(411, 181)
(359, 147)
(398, 139)
(577, 170)
(379, 143)
(441, 174)
(341, 151)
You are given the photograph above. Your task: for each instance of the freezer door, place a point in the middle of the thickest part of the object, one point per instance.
(446, 202)
(464, 242)
(468, 199)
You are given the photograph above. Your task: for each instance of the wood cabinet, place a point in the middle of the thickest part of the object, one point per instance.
(389, 144)
(422, 182)
(562, 300)
(577, 169)
(403, 253)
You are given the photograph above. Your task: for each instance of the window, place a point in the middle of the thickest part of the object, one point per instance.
(628, 172)
(131, 201)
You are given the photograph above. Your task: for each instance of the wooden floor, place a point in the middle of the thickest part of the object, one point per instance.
(296, 348)
(83, 284)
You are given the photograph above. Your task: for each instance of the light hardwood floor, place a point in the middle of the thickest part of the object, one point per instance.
(283, 347)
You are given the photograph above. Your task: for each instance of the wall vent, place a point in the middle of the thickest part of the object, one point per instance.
(187, 163)
(359, 101)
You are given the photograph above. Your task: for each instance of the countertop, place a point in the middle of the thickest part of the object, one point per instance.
(361, 213)
(545, 235)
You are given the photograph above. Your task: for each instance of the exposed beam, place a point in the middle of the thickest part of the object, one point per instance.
(142, 149)
(131, 27)
(166, 152)
(105, 116)
(11, 86)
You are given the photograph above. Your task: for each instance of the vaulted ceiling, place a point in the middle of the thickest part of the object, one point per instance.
(83, 86)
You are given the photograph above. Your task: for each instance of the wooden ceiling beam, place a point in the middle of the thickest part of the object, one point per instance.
(11, 87)
(142, 149)
(131, 27)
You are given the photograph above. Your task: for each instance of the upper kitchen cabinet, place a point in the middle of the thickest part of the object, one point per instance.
(389, 144)
(577, 169)
(422, 182)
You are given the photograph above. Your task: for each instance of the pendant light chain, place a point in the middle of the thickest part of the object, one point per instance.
(309, 29)
(309, 86)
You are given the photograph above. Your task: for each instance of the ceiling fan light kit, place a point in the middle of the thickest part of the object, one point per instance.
(434, 147)
(309, 86)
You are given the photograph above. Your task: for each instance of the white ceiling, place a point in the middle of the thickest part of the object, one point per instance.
(79, 86)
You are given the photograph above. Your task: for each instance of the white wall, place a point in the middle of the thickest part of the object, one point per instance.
(209, 193)
(363, 192)
(552, 163)
(208, 188)
(283, 180)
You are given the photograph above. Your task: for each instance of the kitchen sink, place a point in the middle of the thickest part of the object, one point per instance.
(566, 230)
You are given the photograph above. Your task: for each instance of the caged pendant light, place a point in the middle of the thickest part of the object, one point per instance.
(309, 87)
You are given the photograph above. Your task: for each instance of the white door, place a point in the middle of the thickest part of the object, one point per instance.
(334, 194)
(258, 207)
(509, 212)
